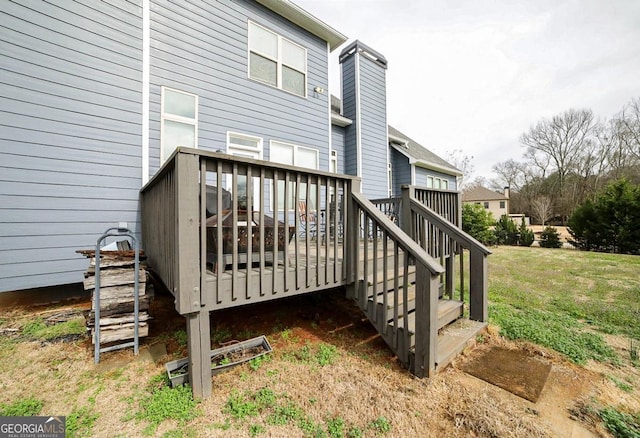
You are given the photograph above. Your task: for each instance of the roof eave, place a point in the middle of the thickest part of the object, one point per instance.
(305, 20)
(338, 120)
(438, 167)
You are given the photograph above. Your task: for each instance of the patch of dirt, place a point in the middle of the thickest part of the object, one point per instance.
(512, 370)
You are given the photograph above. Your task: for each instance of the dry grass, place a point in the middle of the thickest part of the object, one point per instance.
(364, 383)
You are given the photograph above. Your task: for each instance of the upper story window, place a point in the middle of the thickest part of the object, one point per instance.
(486, 204)
(276, 61)
(502, 204)
(179, 121)
(244, 145)
(333, 162)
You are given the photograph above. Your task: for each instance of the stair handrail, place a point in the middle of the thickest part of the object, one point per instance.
(428, 272)
(459, 235)
(409, 245)
(478, 265)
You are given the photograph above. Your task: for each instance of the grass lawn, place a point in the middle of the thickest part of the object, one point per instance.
(331, 376)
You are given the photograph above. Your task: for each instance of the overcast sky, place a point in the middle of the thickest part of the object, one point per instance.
(476, 74)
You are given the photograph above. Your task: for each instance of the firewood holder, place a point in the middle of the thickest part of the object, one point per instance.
(117, 232)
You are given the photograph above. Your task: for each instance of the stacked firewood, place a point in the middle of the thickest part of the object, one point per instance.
(117, 292)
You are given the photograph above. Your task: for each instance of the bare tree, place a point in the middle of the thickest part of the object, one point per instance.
(562, 140)
(541, 208)
(511, 173)
(630, 120)
(464, 163)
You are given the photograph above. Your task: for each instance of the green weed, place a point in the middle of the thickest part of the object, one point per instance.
(80, 422)
(380, 425)
(624, 386)
(239, 407)
(326, 354)
(355, 432)
(256, 362)
(180, 433)
(181, 337)
(167, 403)
(256, 429)
(621, 424)
(37, 329)
(26, 407)
(284, 414)
(557, 331)
(335, 427)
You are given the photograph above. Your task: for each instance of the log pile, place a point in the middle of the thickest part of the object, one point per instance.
(117, 290)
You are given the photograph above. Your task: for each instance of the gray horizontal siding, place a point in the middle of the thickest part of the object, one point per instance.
(337, 144)
(201, 48)
(70, 138)
(401, 170)
(422, 174)
(373, 120)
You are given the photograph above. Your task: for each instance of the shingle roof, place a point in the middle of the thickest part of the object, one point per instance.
(419, 152)
(482, 194)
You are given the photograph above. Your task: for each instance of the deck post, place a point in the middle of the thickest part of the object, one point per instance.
(407, 192)
(426, 329)
(188, 300)
(199, 347)
(478, 286)
(352, 239)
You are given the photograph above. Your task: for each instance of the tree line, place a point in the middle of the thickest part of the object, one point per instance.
(569, 159)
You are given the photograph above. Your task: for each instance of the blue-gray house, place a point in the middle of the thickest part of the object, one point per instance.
(127, 111)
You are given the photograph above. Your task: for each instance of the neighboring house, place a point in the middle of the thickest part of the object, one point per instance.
(497, 203)
(97, 96)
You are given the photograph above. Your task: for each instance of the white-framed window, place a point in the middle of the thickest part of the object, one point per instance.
(333, 162)
(276, 61)
(248, 146)
(178, 121)
(445, 184)
(430, 182)
(287, 153)
(244, 145)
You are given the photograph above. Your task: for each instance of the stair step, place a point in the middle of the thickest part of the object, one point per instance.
(448, 311)
(453, 340)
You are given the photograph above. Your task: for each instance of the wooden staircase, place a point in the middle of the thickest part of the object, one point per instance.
(405, 280)
(454, 331)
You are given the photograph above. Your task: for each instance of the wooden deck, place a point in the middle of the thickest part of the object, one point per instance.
(214, 232)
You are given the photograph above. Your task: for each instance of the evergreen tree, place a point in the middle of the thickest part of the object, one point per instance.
(526, 236)
(476, 222)
(610, 222)
(506, 231)
(550, 238)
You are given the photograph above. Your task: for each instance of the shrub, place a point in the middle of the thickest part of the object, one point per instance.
(550, 238)
(506, 231)
(609, 223)
(476, 222)
(526, 236)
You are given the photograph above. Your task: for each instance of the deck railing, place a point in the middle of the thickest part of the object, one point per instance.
(259, 230)
(443, 240)
(383, 263)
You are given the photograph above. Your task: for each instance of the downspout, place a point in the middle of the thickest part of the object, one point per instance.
(146, 48)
